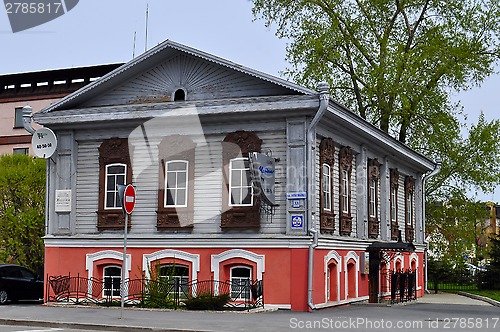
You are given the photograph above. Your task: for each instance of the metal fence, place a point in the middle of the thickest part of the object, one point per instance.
(463, 280)
(152, 293)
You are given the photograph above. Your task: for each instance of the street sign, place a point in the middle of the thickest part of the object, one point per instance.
(129, 199)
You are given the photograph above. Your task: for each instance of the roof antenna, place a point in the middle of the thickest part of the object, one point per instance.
(133, 50)
(147, 15)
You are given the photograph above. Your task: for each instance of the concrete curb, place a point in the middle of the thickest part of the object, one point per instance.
(86, 326)
(481, 298)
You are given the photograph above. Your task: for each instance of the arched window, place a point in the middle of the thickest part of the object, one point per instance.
(174, 273)
(112, 280)
(345, 165)
(326, 156)
(114, 168)
(240, 282)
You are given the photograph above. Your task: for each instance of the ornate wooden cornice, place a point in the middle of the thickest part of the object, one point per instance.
(345, 158)
(394, 178)
(373, 169)
(327, 151)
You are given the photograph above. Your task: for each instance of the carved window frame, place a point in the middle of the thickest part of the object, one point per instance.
(236, 145)
(176, 148)
(373, 218)
(326, 157)
(112, 151)
(393, 199)
(345, 170)
(409, 209)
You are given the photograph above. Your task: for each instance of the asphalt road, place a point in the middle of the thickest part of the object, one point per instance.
(433, 313)
(13, 328)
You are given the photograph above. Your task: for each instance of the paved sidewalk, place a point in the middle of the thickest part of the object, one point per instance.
(448, 298)
(108, 319)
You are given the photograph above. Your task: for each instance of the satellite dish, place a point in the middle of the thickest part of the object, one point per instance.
(44, 143)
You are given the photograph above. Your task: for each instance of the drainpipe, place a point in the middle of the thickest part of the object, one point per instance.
(324, 97)
(424, 180)
(27, 119)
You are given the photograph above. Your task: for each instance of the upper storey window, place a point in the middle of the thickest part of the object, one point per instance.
(176, 183)
(114, 169)
(240, 209)
(394, 204)
(345, 170)
(409, 209)
(326, 159)
(240, 188)
(373, 197)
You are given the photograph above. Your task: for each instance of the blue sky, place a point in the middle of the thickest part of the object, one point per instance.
(100, 32)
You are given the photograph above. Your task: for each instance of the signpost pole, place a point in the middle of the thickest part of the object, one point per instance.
(124, 266)
(127, 197)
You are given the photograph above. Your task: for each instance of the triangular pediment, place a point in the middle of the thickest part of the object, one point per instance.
(159, 73)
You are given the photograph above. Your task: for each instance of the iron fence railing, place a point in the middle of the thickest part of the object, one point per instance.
(463, 280)
(153, 293)
(403, 286)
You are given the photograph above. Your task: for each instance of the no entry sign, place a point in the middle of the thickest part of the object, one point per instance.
(129, 199)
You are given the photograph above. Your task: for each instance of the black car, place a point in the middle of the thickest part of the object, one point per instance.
(19, 283)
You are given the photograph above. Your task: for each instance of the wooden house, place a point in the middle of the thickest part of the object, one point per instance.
(179, 125)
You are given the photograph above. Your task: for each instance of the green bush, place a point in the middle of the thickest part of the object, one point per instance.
(207, 301)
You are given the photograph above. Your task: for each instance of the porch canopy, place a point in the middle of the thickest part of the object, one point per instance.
(391, 246)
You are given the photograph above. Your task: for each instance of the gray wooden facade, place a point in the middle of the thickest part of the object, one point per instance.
(219, 97)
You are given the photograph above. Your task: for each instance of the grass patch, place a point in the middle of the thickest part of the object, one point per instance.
(492, 294)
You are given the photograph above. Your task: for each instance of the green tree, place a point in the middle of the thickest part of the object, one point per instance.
(396, 63)
(22, 206)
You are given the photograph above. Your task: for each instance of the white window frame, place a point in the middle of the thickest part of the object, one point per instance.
(372, 204)
(327, 187)
(18, 118)
(182, 280)
(409, 211)
(239, 280)
(345, 191)
(176, 188)
(240, 187)
(394, 197)
(111, 290)
(115, 189)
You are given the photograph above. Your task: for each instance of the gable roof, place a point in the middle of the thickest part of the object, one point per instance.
(155, 55)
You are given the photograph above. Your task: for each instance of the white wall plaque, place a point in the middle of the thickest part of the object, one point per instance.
(63, 200)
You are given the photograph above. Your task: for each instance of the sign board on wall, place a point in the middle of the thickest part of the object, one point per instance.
(297, 221)
(264, 175)
(63, 200)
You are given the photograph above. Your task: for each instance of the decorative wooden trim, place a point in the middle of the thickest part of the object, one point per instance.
(326, 156)
(113, 150)
(345, 163)
(394, 183)
(175, 147)
(373, 221)
(238, 143)
(409, 224)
